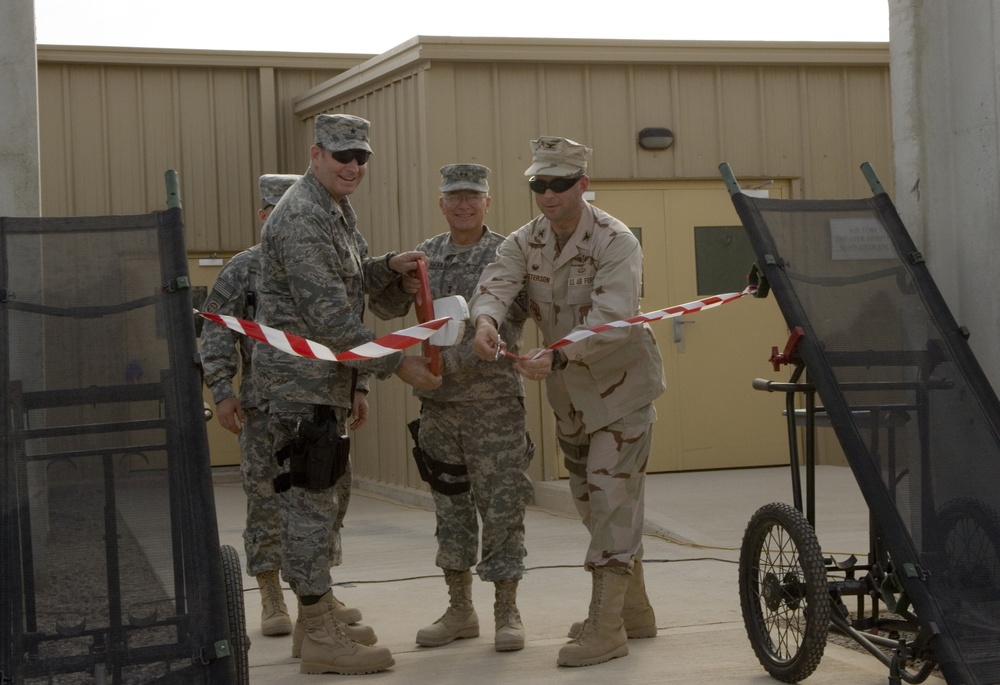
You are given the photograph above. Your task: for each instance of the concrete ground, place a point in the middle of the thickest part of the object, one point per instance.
(695, 523)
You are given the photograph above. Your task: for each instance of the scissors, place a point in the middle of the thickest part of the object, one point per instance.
(502, 351)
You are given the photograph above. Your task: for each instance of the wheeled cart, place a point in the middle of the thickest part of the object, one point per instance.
(109, 547)
(876, 355)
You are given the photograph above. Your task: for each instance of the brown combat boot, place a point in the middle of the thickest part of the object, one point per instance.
(637, 614)
(459, 620)
(326, 648)
(509, 630)
(274, 618)
(603, 635)
(363, 635)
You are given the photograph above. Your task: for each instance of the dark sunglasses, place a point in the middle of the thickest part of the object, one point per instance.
(348, 156)
(557, 185)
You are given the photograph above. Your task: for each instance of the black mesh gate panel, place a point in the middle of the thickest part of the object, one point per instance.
(111, 564)
(915, 415)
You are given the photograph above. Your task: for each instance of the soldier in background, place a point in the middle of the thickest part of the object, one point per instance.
(224, 354)
(583, 268)
(315, 271)
(473, 449)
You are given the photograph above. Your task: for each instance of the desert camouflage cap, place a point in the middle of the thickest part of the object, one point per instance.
(273, 186)
(464, 177)
(552, 156)
(336, 132)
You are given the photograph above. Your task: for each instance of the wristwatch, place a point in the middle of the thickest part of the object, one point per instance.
(559, 360)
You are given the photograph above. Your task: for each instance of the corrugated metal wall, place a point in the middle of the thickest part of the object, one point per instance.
(809, 114)
(112, 122)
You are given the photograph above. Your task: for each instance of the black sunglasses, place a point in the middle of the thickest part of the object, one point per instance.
(348, 156)
(557, 185)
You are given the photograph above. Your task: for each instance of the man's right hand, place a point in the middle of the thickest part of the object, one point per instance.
(416, 371)
(230, 414)
(487, 339)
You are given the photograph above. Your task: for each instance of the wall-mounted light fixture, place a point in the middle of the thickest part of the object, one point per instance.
(654, 138)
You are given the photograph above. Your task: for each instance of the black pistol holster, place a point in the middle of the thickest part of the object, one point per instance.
(431, 470)
(318, 456)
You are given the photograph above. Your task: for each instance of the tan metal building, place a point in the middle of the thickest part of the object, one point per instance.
(793, 120)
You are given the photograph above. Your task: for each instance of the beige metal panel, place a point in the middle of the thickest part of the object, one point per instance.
(870, 117)
(54, 144)
(613, 131)
(517, 123)
(294, 134)
(782, 128)
(237, 159)
(824, 112)
(741, 117)
(86, 125)
(126, 163)
(158, 110)
(697, 126)
(564, 102)
(654, 103)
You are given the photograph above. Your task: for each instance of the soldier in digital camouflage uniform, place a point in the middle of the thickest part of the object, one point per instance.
(224, 353)
(583, 268)
(315, 270)
(472, 439)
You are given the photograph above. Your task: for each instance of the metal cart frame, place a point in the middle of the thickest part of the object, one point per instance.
(873, 340)
(121, 447)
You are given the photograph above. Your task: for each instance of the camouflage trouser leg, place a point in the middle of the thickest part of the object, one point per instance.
(307, 516)
(607, 481)
(489, 438)
(343, 490)
(262, 534)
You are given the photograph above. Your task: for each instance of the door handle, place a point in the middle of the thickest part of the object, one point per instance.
(679, 328)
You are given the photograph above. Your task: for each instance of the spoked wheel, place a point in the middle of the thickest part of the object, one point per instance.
(239, 641)
(783, 592)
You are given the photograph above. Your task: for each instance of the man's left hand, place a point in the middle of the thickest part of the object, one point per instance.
(535, 369)
(359, 412)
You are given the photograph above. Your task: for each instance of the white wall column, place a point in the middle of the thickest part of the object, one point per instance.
(20, 193)
(944, 59)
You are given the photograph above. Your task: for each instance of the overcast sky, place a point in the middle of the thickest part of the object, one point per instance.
(374, 26)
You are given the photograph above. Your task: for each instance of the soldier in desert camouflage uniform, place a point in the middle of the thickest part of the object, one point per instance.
(472, 445)
(583, 268)
(315, 270)
(223, 354)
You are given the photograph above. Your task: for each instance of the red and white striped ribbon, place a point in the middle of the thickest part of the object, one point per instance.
(301, 347)
(400, 340)
(666, 313)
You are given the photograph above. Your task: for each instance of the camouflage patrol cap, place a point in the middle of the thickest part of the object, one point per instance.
(464, 177)
(336, 132)
(273, 186)
(552, 156)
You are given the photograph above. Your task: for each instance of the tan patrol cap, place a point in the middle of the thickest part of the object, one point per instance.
(336, 132)
(273, 186)
(464, 177)
(552, 156)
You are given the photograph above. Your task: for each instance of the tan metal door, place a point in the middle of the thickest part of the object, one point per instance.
(709, 417)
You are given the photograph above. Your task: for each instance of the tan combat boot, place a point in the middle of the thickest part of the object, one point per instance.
(326, 648)
(459, 619)
(509, 630)
(363, 635)
(603, 635)
(274, 618)
(637, 615)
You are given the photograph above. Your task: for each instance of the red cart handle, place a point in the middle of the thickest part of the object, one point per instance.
(425, 313)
